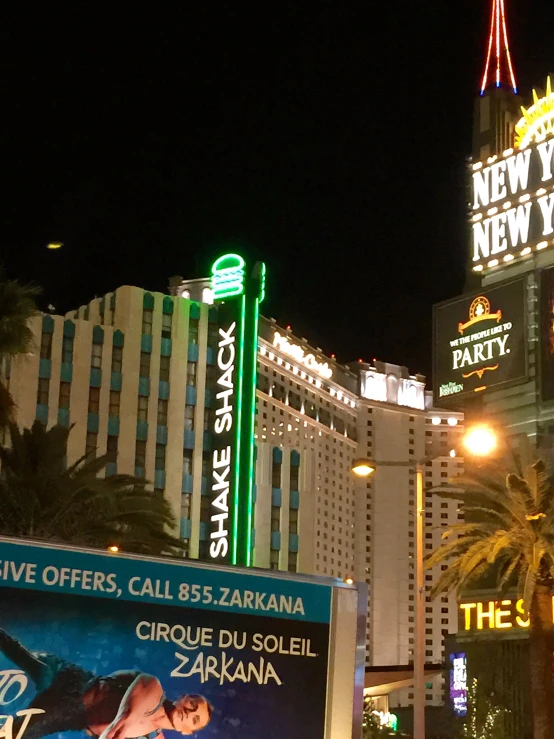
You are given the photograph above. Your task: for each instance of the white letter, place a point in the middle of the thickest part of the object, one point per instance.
(518, 170)
(546, 153)
(498, 236)
(481, 187)
(546, 205)
(224, 459)
(498, 187)
(518, 224)
(481, 239)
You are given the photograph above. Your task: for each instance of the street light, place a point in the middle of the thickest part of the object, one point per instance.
(364, 468)
(480, 441)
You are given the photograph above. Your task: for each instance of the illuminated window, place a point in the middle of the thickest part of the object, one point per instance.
(189, 418)
(67, 349)
(193, 331)
(187, 461)
(191, 373)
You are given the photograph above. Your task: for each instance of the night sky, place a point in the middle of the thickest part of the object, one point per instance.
(328, 139)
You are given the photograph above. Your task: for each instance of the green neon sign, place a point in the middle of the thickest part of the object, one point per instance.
(238, 289)
(228, 276)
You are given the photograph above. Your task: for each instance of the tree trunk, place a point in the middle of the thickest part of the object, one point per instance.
(542, 691)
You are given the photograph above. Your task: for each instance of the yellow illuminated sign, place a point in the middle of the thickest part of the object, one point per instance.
(495, 615)
(538, 120)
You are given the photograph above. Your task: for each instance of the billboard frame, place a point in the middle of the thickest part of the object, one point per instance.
(347, 624)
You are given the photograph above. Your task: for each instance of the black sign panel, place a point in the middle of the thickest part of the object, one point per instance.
(547, 334)
(480, 341)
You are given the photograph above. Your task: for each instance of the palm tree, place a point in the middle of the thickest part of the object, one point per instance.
(509, 530)
(17, 307)
(41, 498)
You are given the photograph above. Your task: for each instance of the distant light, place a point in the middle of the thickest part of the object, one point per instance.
(435, 421)
(452, 453)
(114, 548)
(349, 581)
(452, 421)
(55, 245)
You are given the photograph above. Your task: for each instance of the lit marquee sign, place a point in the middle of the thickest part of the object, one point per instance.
(306, 358)
(458, 683)
(388, 388)
(513, 205)
(494, 615)
(238, 290)
(480, 341)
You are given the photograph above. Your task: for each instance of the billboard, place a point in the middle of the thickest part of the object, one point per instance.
(116, 646)
(480, 341)
(547, 334)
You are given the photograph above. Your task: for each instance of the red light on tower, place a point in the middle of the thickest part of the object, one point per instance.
(498, 38)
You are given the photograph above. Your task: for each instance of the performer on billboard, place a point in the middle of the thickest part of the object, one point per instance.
(123, 705)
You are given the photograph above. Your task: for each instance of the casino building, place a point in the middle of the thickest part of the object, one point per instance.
(494, 345)
(135, 373)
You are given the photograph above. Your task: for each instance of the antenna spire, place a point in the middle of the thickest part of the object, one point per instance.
(501, 70)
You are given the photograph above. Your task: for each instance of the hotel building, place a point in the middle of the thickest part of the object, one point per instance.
(134, 372)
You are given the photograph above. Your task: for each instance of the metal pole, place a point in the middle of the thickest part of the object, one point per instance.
(419, 652)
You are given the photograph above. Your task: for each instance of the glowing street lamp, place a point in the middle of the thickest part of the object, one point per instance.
(480, 441)
(362, 467)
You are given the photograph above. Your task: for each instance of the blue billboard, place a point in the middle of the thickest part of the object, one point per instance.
(118, 647)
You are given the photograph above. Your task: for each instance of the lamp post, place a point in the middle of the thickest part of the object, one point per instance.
(364, 468)
(479, 441)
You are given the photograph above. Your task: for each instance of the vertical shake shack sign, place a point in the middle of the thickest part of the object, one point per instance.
(480, 341)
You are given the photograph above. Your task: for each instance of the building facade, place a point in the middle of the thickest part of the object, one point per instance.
(134, 372)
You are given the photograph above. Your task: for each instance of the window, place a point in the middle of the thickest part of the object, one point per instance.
(142, 412)
(274, 559)
(46, 346)
(94, 400)
(294, 477)
(160, 457)
(193, 331)
(167, 319)
(189, 418)
(191, 373)
(275, 518)
(186, 505)
(91, 444)
(67, 349)
(65, 392)
(187, 461)
(117, 358)
(293, 561)
(162, 412)
(208, 419)
(42, 394)
(111, 449)
(276, 475)
(164, 368)
(144, 364)
(115, 399)
(293, 521)
(96, 355)
(147, 319)
(140, 454)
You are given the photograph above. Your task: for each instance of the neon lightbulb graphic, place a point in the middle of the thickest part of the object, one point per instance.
(498, 38)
